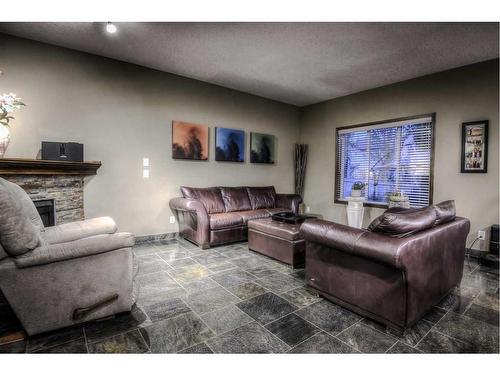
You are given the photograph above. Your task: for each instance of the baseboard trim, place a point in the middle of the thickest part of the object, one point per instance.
(156, 237)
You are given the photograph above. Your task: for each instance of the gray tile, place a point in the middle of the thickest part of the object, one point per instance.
(300, 297)
(232, 278)
(328, 316)
(412, 335)
(118, 324)
(197, 349)
(435, 342)
(247, 290)
(171, 255)
(189, 273)
(484, 314)
(166, 309)
(434, 314)
(455, 303)
(366, 339)
(209, 300)
(322, 343)
(262, 271)
(179, 263)
(226, 319)
(234, 252)
(488, 300)
(220, 267)
(250, 262)
(14, 347)
(266, 308)
(484, 282)
(150, 264)
(175, 334)
(208, 259)
(53, 338)
(299, 274)
(130, 342)
(251, 338)
(200, 284)
(155, 287)
(402, 348)
(482, 336)
(72, 347)
(279, 283)
(145, 249)
(292, 329)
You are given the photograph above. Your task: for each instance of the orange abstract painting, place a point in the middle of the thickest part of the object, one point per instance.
(189, 141)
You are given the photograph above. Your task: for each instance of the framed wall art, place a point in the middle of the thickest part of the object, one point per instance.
(229, 145)
(189, 141)
(262, 148)
(474, 147)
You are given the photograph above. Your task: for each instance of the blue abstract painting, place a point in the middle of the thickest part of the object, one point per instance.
(229, 145)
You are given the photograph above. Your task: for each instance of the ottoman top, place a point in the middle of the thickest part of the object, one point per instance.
(276, 228)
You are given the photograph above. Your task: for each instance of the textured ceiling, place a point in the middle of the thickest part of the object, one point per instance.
(296, 63)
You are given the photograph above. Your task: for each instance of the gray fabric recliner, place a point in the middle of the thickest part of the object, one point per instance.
(64, 275)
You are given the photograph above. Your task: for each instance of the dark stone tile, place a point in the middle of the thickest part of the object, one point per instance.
(145, 249)
(412, 335)
(156, 287)
(455, 303)
(279, 283)
(200, 284)
(53, 338)
(488, 269)
(262, 271)
(250, 262)
(251, 338)
(435, 342)
(171, 255)
(72, 347)
(189, 273)
(299, 274)
(233, 252)
(213, 258)
(179, 263)
(484, 314)
(292, 329)
(300, 297)
(247, 290)
(14, 347)
(232, 278)
(366, 339)
(197, 349)
(322, 343)
(130, 342)
(166, 309)
(402, 348)
(220, 267)
(209, 300)
(484, 282)
(482, 336)
(118, 324)
(488, 300)
(434, 315)
(226, 319)
(328, 316)
(266, 308)
(175, 334)
(150, 264)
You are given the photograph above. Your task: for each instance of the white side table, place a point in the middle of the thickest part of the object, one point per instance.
(355, 211)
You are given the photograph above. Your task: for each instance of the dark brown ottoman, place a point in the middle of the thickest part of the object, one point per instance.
(277, 240)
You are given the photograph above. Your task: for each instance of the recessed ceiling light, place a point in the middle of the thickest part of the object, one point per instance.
(111, 28)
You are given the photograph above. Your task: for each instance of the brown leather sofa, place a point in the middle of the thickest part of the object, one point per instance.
(218, 215)
(395, 271)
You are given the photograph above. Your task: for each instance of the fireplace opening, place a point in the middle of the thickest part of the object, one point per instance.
(46, 209)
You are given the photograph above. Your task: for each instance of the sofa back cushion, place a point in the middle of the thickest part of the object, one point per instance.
(262, 197)
(210, 197)
(18, 233)
(235, 199)
(404, 223)
(445, 212)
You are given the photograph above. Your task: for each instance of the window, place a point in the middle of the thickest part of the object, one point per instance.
(388, 156)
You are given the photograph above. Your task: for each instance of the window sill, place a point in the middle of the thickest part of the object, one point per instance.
(384, 206)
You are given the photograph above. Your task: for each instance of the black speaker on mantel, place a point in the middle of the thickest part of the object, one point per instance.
(61, 151)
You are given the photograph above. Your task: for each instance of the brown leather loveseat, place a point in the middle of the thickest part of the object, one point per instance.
(395, 271)
(218, 215)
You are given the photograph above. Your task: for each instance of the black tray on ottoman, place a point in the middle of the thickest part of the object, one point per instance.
(290, 217)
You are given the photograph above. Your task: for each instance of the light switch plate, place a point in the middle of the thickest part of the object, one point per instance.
(172, 219)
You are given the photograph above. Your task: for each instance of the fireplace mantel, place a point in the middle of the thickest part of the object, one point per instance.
(47, 167)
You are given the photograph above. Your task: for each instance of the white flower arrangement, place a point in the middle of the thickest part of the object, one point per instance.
(9, 103)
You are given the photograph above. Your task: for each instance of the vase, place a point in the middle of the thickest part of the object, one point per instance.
(4, 139)
(355, 193)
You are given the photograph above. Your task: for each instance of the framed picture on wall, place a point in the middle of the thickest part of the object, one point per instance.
(189, 141)
(474, 147)
(262, 148)
(229, 145)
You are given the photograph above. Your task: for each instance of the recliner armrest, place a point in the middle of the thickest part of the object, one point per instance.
(93, 245)
(289, 201)
(79, 229)
(359, 242)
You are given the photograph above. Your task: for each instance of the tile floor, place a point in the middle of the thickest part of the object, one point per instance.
(231, 300)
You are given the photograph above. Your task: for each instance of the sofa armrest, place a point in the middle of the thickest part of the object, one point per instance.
(79, 229)
(358, 242)
(289, 201)
(192, 214)
(84, 247)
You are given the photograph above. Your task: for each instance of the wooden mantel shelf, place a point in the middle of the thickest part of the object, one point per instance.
(48, 167)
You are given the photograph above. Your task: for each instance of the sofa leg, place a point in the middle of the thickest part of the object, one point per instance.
(205, 246)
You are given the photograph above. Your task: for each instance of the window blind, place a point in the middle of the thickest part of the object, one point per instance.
(387, 157)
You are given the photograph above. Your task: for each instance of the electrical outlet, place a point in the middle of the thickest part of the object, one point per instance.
(481, 234)
(308, 209)
(172, 219)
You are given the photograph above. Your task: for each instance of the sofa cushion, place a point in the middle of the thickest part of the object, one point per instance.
(27, 205)
(18, 234)
(445, 212)
(252, 215)
(225, 220)
(235, 199)
(210, 197)
(262, 197)
(404, 223)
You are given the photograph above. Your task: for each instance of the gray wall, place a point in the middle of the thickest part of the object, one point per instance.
(123, 113)
(459, 95)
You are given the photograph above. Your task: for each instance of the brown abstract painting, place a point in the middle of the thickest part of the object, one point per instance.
(189, 141)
